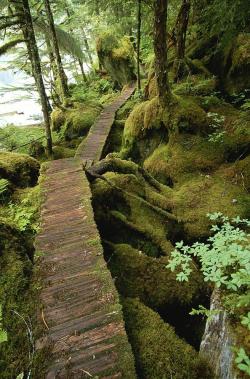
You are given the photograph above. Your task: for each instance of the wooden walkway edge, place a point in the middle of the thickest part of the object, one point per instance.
(82, 317)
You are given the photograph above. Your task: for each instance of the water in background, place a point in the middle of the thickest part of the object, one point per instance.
(18, 98)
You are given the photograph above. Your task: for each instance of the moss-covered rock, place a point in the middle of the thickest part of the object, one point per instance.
(75, 122)
(208, 194)
(158, 351)
(117, 57)
(20, 169)
(60, 152)
(238, 76)
(186, 155)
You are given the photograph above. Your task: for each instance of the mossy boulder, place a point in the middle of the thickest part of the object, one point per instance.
(60, 152)
(185, 155)
(75, 122)
(238, 76)
(117, 56)
(205, 194)
(20, 169)
(159, 352)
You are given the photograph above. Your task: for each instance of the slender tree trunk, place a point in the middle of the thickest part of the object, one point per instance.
(87, 47)
(138, 45)
(61, 73)
(82, 70)
(180, 38)
(29, 35)
(52, 58)
(160, 49)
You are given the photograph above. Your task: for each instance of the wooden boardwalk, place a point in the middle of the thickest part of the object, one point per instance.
(81, 315)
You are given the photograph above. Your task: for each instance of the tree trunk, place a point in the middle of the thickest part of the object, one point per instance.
(29, 35)
(87, 47)
(180, 33)
(160, 49)
(138, 45)
(82, 70)
(61, 73)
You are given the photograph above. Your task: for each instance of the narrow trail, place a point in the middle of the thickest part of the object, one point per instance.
(81, 315)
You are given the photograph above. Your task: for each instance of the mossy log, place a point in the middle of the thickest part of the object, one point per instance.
(158, 351)
(147, 278)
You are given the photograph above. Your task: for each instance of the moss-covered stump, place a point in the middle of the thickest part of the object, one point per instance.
(147, 278)
(15, 276)
(159, 352)
(75, 122)
(149, 125)
(20, 169)
(117, 57)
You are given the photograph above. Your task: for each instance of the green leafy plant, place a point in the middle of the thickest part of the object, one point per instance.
(24, 213)
(3, 334)
(4, 189)
(246, 105)
(224, 261)
(216, 122)
(243, 361)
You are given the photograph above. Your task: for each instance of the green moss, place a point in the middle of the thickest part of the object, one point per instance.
(128, 207)
(196, 86)
(75, 122)
(117, 57)
(15, 276)
(20, 169)
(187, 154)
(147, 278)
(208, 194)
(159, 352)
(238, 77)
(60, 152)
(149, 125)
(144, 129)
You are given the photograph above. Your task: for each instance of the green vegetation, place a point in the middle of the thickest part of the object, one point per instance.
(159, 352)
(225, 262)
(20, 169)
(177, 151)
(117, 57)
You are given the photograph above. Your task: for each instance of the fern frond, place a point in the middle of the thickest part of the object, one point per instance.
(65, 40)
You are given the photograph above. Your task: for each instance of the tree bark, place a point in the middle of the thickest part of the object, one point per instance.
(138, 45)
(82, 70)
(61, 73)
(180, 33)
(30, 39)
(160, 49)
(87, 47)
